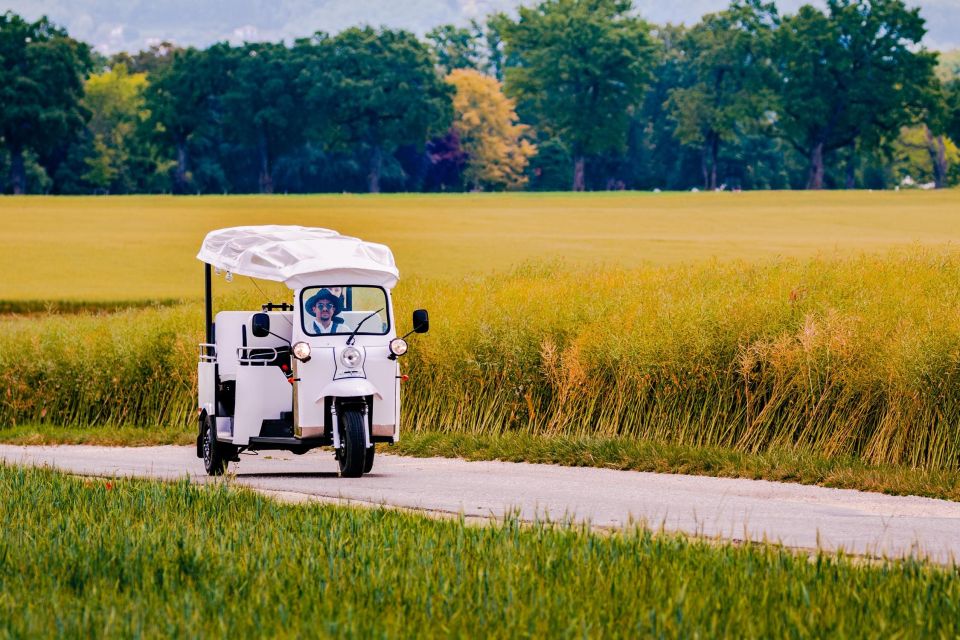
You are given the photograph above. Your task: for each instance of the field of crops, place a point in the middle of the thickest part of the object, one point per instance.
(846, 354)
(143, 248)
(120, 558)
(844, 357)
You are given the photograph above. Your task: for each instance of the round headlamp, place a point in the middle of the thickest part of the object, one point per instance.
(351, 357)
(398, 346)
(301, 351)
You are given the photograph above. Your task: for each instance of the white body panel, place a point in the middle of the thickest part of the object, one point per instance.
(207, 387)
(319, 379)
(263, 393)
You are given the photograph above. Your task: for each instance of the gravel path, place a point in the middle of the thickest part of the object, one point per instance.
(797, 516)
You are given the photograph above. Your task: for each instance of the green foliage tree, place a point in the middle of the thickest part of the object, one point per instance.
(377, 91)
(151, 60)
(41, 86)
(952, 108)
(725, 61)
(580, 68)
(924, 155)
(456, 47)
(846, 76)
(121, 162)
(181, 99)
(262, 104)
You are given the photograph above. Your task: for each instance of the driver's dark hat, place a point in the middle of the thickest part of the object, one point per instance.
(323, 294)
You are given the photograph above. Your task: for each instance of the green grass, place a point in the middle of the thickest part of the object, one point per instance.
(108, 436)
(122, 558)
(143, 248)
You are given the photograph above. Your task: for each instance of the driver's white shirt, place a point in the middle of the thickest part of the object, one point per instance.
(329, 330)
(332, 329)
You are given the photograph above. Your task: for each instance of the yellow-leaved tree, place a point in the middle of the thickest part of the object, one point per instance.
(486, 122)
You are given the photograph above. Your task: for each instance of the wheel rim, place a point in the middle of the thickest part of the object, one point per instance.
(207, 448)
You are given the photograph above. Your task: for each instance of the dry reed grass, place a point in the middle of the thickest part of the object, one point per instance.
(845, 357)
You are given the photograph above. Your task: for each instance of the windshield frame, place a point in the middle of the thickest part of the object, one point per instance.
(315, 287)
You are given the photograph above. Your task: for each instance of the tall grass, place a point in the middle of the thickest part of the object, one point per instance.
(122, 558)
(844, 356)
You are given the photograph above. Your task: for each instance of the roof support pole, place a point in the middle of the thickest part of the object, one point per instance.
(208, 302)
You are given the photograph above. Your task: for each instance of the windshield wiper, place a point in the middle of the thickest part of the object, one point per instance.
(353, 335)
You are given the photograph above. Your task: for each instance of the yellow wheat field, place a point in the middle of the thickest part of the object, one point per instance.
(143, 247)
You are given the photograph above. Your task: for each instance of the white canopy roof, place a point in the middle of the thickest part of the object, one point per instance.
(299, 256)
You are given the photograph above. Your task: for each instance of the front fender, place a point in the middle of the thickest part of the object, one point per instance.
(349, 388)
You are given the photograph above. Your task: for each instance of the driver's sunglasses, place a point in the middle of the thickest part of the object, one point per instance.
(325, 305)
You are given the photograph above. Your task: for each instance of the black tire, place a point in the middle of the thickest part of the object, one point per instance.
(368, 458)
(352, 452)
(214, 455)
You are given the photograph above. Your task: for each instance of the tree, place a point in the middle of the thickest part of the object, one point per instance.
(486, 124)
(580, 68)
(925, 156)
(377, 91)
(848, 76)
(263, 104)
(952, 115)
(41, 85)
(150, 60)
(182, 99)
(455, 47)
(725, 59)
(115, 101)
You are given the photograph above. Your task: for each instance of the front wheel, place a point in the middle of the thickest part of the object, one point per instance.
(352, 454)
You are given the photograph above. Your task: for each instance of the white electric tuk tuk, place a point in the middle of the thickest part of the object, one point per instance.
(322, 371)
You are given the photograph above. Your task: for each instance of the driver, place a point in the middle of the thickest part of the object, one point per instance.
(325, 307)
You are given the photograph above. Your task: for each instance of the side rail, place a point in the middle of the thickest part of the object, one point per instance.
(208, 352)
(261, 356)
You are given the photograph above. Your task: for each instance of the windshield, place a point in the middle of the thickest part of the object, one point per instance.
(341, 309)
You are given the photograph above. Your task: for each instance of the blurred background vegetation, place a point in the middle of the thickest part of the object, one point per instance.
(564, 94)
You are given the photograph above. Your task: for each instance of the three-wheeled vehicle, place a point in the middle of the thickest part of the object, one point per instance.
(322, 371)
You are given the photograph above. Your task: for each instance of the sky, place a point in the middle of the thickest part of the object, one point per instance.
(131, 25)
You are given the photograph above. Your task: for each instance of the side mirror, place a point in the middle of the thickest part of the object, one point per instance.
(421, 321)
(260, 325)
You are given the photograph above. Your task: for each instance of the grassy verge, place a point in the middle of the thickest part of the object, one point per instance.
(783, 465)
(122, 558)
(36, 307)
(125, 436)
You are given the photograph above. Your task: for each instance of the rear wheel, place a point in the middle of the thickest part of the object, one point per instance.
(214, 458)
(352, 454)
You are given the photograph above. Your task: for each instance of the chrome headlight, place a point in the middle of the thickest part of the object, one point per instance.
(398, 346)
(301, 351)
(351, 357)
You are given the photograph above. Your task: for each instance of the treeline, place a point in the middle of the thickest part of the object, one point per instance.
(569, 94)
